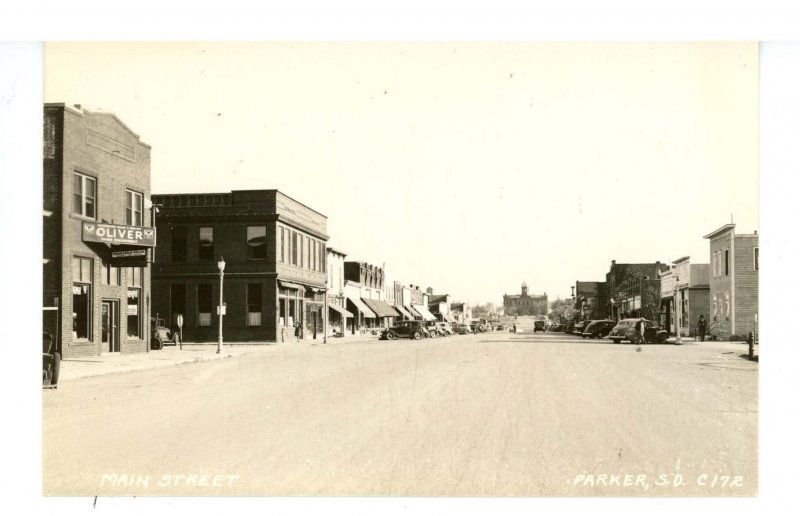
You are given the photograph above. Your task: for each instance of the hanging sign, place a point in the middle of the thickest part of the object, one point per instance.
(118, 234)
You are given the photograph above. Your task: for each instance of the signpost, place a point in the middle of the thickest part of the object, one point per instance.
(179, 320)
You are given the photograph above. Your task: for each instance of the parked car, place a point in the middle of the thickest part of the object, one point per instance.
(538, 326)
(630, 329)
(578, 327)
(475, 327)
(444, 328)
(51, 362)
(406, 330)
(598, 329)
(162, 335)
(433, 329)
(500, 327)
(556, 327)
(462, 329)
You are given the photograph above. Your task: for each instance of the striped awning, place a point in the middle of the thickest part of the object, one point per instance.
(345, 313)
(424, 312)
(364, 309)
(287, 284)
(414, 313)
(405, 313)
(380, 308)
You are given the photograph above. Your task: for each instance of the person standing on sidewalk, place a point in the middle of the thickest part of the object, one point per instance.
(298, 331)
(701, 328)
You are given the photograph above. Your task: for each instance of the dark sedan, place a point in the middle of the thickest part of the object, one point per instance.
(406, 329)
(598, 329)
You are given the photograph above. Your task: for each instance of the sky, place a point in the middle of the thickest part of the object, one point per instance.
(465, 167)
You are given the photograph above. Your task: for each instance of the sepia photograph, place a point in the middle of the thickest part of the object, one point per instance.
(426, 258)
(401, 269)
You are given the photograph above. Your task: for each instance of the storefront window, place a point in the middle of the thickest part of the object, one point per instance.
(134, 311)
(206, 249)
(81, 298)
(256, 242)
(204, 304)
(254, 306)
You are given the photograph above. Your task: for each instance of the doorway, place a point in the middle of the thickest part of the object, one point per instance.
(110, 326)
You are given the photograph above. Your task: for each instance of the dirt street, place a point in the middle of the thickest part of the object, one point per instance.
(493, 414)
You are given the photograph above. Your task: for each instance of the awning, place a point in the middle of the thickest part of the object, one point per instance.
(364, 309)
(404, 312)
(380, 308)
(424, 312)
(341, 310)
(414, 313)
(287, 284)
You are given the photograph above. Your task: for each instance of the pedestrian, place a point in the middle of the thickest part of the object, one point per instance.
(701, 328)
(298, 331)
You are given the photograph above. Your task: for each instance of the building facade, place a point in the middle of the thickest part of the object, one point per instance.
(275, 275)
(590, 300)
(525, 303)
(367, 296)
(684, 296)
(340, 320)
(616, 293)
(98, 236)
(733, 282)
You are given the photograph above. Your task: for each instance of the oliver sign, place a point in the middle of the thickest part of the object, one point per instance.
(118, 234)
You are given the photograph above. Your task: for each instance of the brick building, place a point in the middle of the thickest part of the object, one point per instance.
(590, 300)
(621, 272)
(97, 233)
(340, 320)
(733, 282)
(275, 275)
(524, 303)
(365, 296)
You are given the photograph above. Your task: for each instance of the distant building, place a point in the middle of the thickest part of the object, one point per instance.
(367, 301)
(339, 318)
(621, 302)
(590, 299)
(439, 306)
(685, 286)
(275, 275)
(98, 234)
(733, 282)
(524, 303)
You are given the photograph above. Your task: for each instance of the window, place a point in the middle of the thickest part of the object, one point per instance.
(84, 195)
(110, 275)
(294, 248)
(134, 308)
(133, 208)
(81, 298)
(179, 244)
(204, 304)
(133, 276)
(727, 270)
(755, 258)
(177, 302)
(280, 245)
(254, 306)
(256, 242)
(206, 249)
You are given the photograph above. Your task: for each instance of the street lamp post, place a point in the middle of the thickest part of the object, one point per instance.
(221, 265)
(677, 313)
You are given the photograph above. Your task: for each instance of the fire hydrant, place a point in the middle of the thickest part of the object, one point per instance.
(750, 345)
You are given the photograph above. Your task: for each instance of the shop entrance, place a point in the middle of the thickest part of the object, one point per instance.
(110, 325)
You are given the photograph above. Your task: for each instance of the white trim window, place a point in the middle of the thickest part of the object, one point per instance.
(755, 258)
(134, 201)
(84, 195)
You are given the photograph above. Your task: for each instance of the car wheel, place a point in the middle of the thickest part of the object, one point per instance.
(176, 339)
(661, 338)
(416, 335)
(391, 335)
(157, 343)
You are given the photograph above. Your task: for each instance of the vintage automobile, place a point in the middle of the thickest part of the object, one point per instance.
(598, 329)
(631, 329)
(578, 327)
(406, 329)
(462, 329)
(161, 335)
(51, 362)
(538, 326)
(433, 329)
(444, 328)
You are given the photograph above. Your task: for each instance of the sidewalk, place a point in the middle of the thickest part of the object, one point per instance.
(112, 363)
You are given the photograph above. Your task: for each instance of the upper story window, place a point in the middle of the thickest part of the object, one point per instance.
(281, 244)
(256, 242)
(133, 208)
(84, 195)
(206, 241)
(727, 263)
(179, 244)
(755, 258)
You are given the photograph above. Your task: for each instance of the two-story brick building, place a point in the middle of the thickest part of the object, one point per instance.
(590, 299)
(275, 276)
(733, 282)
(616, 295)
(97, 233)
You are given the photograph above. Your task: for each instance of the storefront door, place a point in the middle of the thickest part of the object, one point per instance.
(110, 326)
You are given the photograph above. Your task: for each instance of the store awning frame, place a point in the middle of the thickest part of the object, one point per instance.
(403, 312)
(289, 284)
(381, 308)
(424, 312)
(414, 313)
(363, 308)
(345, 313)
